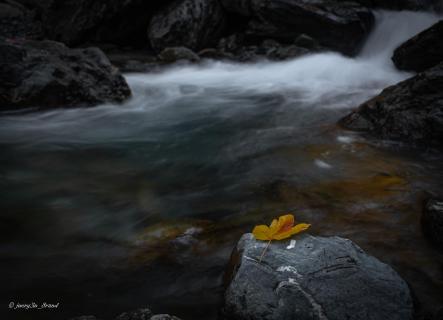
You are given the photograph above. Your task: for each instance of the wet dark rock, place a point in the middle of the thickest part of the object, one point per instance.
(140, 314)
(257, 53)
(232, 43)
(121, 22)
(178, 53)
(410, 111)
(338, 25)
(195, 24)
(423, 51)
(212, 53)
(238, 47)
(47, 74)
(432, 221)
(75, 22)
(241, 7)
(163, 317)
(287, 52)
(320, 278)
(133, 60)
(402, 4)
(17, 21)
(306, 41)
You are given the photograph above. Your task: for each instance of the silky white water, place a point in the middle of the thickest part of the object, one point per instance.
(325, 80)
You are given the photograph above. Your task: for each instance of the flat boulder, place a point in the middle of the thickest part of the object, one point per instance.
(315, 278)
(410, 111)
(47, 74)
(195, 24)
(338, 25)
(423, 51)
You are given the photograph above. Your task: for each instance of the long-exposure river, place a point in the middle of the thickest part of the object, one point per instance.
(117, 207)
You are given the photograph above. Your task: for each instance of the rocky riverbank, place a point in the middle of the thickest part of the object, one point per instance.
(47, 74)
(411, 111)
(247, 30)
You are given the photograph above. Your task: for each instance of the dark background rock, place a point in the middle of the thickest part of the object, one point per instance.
(75, 22)
(320, 278)
(78, 21)
(194, 24)
(199, 24)
(423, 51)
(432, 221)
(47, 74)
(18, 21)
(410, 111)
(338, 25)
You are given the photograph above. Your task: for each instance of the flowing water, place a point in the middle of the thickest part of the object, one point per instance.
(122, 206)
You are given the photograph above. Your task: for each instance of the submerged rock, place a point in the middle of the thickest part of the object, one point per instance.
(410, 111)
(47, 74)
(317, 278)
(423, 51)
(338, 25)
(432, 221)
(194, 24)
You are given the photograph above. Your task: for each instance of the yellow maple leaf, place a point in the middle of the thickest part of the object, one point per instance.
(278, 230)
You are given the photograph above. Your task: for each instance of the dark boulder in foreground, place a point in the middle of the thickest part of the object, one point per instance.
(47, 74)
(338, 25)
(195, 24)
(423, 51)
(140, 314)
(410, 111)
(317, 278)
(432, 221)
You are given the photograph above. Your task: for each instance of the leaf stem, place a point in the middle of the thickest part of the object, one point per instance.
(264, 251)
